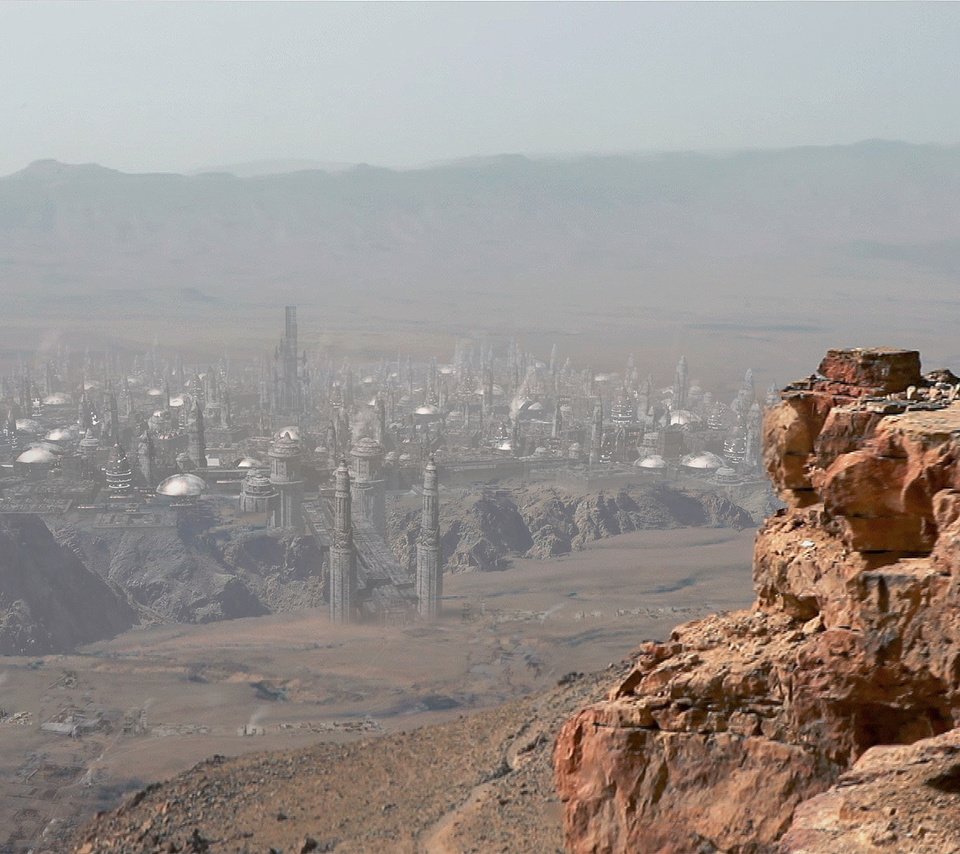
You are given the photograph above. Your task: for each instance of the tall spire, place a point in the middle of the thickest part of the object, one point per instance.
(343, 577)
(429, 560)
(596, 434)
(198, 445)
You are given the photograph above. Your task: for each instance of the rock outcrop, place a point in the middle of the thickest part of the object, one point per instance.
(486, 531)
(49, 601)
(719, 734)
(196, 577)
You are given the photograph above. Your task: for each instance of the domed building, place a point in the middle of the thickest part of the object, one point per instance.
(182, 487)
(651, 462)
(703, 463)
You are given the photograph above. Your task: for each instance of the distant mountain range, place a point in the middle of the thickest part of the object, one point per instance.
(712, 242)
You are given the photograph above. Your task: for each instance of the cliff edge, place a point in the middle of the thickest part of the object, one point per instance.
(718, 735)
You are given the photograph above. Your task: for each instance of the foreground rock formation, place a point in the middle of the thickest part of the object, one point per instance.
(49, 601)
(719, 735)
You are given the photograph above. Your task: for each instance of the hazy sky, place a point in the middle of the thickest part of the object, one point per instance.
(176, 86)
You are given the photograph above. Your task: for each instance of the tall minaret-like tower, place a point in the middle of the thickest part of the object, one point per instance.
(429, 561)
(197, 444)
(343, 575)
(596, 434)
(681, 385)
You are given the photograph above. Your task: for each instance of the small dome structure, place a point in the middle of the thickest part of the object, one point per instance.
(249, 463)
(155, 392)
(293, 431)
(651, 461)
(182, 486)
(60, 434)
(37, 456)
(58, 398)
(704, 461)
(428, 409)
(683, 418)
(285, 445)
(367, 447)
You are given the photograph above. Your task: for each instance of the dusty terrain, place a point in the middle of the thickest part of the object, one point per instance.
(304, 682)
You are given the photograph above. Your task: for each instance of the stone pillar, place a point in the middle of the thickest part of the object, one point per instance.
(343, 576)
(429, 560)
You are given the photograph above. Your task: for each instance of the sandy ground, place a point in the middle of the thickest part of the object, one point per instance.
(185, 692)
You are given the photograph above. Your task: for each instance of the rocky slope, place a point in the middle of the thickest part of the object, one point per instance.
(717, 737)
(198, 576)
(478, 784)
(485, 531)
(49, 601)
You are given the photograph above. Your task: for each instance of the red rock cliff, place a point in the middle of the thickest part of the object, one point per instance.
(719, 733)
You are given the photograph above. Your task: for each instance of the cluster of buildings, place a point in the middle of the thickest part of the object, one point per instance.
(311, 444)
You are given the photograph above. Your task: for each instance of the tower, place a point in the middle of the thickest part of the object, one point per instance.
(146, 456)
(596, 434)
(285, 476)
(197, 444)
(429, 562)
(343, 563)
(681, 385)
(367, 487)
(119, 473)
(288, 390)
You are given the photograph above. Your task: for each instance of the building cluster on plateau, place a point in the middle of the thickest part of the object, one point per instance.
(315, 445)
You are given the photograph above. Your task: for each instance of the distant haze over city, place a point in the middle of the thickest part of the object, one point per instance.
(183, 87)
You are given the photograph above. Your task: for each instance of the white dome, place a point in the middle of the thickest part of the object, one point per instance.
(652, 461)
(60, 434)
(249, 463)
(58, 398)
(703, 461)
(683, 417)
(427, 409)
(155, 392)
(182, 486)
(177, 400)
(33, 456)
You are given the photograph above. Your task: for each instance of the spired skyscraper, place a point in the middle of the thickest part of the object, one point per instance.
(429, 562)
(287, 364)
(343, 559)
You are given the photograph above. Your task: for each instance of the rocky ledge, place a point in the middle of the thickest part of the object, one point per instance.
(719, 737)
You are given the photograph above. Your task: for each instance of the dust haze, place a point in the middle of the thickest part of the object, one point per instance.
(358, 405)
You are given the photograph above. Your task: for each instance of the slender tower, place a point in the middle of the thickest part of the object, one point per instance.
(429, 563)
(681, 384)
(596, 435)
(343, 576)
(197, 443)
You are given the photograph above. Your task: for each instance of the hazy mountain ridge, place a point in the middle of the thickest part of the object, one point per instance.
(511, 207)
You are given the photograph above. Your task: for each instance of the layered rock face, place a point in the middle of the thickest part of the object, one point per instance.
(486, 531)
(717, 735)
(49, 601)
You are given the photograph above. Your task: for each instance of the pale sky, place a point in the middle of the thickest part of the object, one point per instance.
(178, 86)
